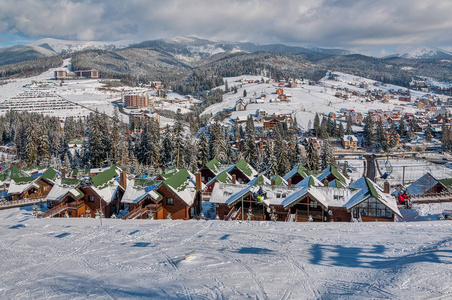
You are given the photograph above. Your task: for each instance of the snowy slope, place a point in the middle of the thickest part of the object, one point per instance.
(75, 258)
(64, 46)
(423, 53)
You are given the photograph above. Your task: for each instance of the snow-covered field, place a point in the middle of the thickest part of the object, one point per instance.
(76, 258)
(306, 100)
(414, 169)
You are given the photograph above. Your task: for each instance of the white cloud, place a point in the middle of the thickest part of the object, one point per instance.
(354, 24)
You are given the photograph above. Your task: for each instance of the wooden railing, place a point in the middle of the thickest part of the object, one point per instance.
(237, 214)
(230, 213)
(431, 197)
(54, 211)
(21, 202)
(140, 211)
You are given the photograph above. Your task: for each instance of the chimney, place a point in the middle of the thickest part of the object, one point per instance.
(234, 179)
(273, 182)
(289, 182)
(386, 187)
(63, 173)
(123, 179)
(198, 181)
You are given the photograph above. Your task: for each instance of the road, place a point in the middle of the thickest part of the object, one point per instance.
(371, 171)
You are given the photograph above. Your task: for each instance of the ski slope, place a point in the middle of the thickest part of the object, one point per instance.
(78, 259)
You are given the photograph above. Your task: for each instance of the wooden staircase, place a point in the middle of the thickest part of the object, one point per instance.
(54, 211)
(140, 212)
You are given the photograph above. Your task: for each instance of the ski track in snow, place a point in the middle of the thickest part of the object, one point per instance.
(75, 258)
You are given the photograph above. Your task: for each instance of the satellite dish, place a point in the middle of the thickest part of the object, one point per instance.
(330, 212)
(269, 210)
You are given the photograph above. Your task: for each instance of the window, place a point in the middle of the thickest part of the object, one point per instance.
(91, 198)
(283, 195)
(46, 188)
(169, 201)
(278, 195)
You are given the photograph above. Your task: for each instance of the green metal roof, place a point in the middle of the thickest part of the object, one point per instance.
(223, 177)
(338, 174)
(103, 178)
(50, 174)
(372, 189)
(178, 180)
(213, 165)
(69, 181)
(244, 167)
(278, 180)
(12, 173)
(22, 180)
(142, 182)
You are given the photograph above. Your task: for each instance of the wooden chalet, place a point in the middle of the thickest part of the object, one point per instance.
(102, 192)
(297, 174)
(141, 200)
(349, 142)
(332, 177)
(309, 200)
(181, 196)
(427, 184)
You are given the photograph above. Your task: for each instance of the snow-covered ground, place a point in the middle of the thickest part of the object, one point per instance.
(414, 169)
(76, 258)
(307, 100)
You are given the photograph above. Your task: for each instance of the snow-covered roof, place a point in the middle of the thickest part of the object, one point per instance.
(301, 193)
(183, 184)
(331, 170)
(423, 184)
(368, 189)
(298, 169)
(61, 188)
(19, 185)
(138, 189)
(223, 191)
(309, 181)
(350, 138)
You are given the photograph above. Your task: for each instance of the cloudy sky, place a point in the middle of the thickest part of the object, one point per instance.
(368, 26)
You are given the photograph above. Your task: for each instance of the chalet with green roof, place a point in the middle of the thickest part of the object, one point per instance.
(223, 177)
(210, 170)
(330, 174)
(297, 174)
(242, 172)
(103, 192)
(181, 195)
(141, 200)
(278, 180)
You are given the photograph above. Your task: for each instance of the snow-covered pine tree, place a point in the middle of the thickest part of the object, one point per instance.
(31, 144)
(326, 157)
(312, 156)
(250, 149)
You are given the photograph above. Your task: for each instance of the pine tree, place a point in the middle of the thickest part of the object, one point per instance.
(324, 129)
(349, 129)
(31, 144)
(369, 134)
(317, 125)
(250, 152)
(393, 137)
(244, 93)
(429, 133)
(203, 152)
(340, 131)
(43, 148)
(326, 157)
(382, 139)
(312, 156)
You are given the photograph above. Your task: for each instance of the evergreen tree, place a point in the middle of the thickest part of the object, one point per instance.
(402, 129)
(312, 156)
(369, 134)
(244, 93)
(317, 125)
(250, 152)
(324, 129)
(203, 152)
(349, 129)
(326, 157)
(31, 144)
(382, 139)
(393, 137)
(429, 133)
(445, 143)
(340, 131)
(43, 148)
